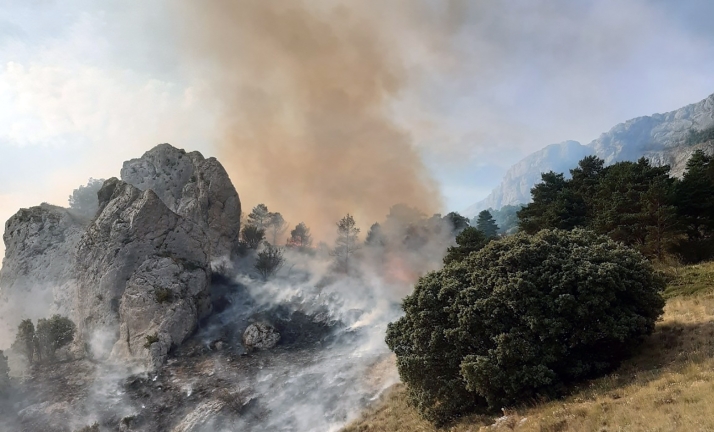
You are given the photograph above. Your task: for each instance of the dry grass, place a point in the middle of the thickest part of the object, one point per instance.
(667, 386)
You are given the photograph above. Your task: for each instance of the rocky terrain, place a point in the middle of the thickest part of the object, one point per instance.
(167, 342)
(661, 138)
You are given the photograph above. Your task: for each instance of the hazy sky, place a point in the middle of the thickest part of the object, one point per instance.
(87, 84)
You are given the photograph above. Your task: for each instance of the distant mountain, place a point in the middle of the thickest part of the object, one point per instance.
(662, 138)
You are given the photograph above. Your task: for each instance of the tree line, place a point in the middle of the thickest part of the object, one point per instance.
(635, 203)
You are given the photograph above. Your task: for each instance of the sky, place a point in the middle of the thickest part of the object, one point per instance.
(85, 85)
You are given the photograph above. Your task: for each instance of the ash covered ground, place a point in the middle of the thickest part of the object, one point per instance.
(330, 361)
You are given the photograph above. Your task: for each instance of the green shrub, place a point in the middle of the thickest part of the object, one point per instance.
(25, 340)
(163, 295)
(150, 340)
(52, 334)
(522, 318)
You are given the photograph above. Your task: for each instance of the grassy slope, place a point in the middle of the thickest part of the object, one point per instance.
(667, 386)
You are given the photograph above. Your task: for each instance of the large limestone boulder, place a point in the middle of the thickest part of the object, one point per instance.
(36, 271)
(142, 276)
(194, 187)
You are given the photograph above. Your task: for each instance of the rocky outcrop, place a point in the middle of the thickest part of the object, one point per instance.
(142, 276)
(194, 187)
(662, 138)
(40, 247)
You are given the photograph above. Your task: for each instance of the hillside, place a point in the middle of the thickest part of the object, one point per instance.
(663, 138)
(668, 385)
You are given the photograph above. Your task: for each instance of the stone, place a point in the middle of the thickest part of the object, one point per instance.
(260, 336)
(143, 274)
(36, 273)
(194, 187)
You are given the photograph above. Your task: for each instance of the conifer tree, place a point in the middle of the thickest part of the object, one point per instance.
(346, 244)
(486, 224)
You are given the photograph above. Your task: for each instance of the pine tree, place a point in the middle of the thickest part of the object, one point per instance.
(486, 224)
(458, 223)
(554, 205)
(469, 240)
(276, 226)
(375, 236)
(259, 216)
(346, 244)
(660, 217)
(300, 237)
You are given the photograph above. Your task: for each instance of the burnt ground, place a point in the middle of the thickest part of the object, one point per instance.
(210, 383)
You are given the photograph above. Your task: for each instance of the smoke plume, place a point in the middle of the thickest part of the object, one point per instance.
(306, 90)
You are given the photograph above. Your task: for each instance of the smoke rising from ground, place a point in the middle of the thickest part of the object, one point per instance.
(305, 124)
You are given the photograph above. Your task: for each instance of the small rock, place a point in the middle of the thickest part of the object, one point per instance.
(260, 336)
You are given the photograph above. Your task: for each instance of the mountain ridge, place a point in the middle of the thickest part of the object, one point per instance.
(661, 137)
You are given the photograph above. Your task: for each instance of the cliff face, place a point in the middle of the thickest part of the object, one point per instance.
(659, 137)
(142, 271)
(194, 187)
(138, 272)
(40, 245)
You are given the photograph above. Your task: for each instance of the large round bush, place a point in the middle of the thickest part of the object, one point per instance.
(521, 318)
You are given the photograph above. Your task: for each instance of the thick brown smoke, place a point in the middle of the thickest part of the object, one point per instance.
(305, 90)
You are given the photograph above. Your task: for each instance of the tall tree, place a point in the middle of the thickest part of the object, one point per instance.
(618, 207)
(300, 237)
(694, 196)
(660, 217)
(376, 236)
(25, 340)
(276, 226)
(469, 240)
(346, 244)
(259, 216)
(584, 182)
(554, 205)
(486, 224)
(458, 223)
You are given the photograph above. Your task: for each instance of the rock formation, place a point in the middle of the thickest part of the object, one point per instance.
(40, 247)
(194, 187)
(142, 276)
(135, 276)
(260, 336)
(662, 138)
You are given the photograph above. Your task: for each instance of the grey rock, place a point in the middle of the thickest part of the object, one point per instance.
(196, 188)
(142, 270)
(36, 273)
(260, 336)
